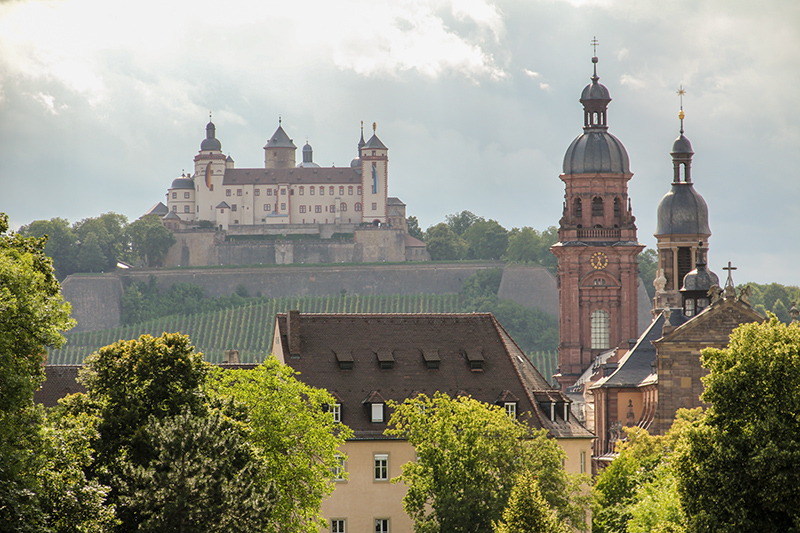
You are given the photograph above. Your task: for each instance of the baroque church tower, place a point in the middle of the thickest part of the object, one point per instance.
(598, 273)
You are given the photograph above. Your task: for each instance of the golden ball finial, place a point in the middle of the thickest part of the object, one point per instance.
(374, 127)
(681, 114)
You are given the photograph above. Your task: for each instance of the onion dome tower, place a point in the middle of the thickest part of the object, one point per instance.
(210, 143)
(597, 251)
(696, 285)
(209, 171)
(682, 229)
(308, 157)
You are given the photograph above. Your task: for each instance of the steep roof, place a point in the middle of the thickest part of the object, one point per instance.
(295, 175)
(375, 143)
(637, 364)
(393, 355)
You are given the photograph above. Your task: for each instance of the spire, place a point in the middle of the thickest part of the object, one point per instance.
(595, 98)
(681, 114)
(595, 42)
(682, 150)
(361, 142)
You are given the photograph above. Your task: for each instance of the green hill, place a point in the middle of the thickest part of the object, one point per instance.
(248, 328)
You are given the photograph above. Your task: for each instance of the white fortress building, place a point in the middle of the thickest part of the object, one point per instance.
(283, 192)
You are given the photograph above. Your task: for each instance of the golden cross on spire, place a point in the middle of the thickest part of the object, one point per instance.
(595, 42)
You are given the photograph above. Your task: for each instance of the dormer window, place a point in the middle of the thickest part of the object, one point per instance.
(475, 358)
(345, 359)
(431, 358)
(336, 411)
(385, 359)
(511, 409)
(376, 405)
(377, 412)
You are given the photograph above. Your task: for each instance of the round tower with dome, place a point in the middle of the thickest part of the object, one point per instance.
(598, 247)
(682, 229)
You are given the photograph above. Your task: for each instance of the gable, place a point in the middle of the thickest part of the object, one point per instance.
(714, 325)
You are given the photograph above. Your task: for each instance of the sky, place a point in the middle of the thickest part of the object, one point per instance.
(103, 104)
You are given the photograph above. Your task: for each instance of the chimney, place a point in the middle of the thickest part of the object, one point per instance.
(293, 332)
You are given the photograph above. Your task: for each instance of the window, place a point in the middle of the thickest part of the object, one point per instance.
(227, 192)
(318, 209)
(238, 192)
(511, 409)
(311, 190)
(583, 462)
(343, 207)
(212, 187)
(267, 207)
(577, 208)
(381, 467)
(358, 190)
(322, 190)
(186, 209)
(283, 192)
(233, 207)
(338, 526)
(186, 195)
(302, 190)
(283, 206)
(257, 192)
(597, 206)
(336, 411)
(175, 208)
(377, 412)
(599, 324)
(374, 206)
(339, 468)
(333, 208)
(269, 192)
(350, 190)
(302, 209)
(617, 207)
(341, 190)
(358, 206)
(381, 525)
(174, 196)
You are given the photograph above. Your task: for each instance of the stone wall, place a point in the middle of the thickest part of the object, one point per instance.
(95, 300)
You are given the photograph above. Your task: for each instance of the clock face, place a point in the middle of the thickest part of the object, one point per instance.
(599, 260)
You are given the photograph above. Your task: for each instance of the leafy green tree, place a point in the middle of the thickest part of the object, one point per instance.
(444, 244)
(469, 456)
(296, 436)
(32, 316)
(109, 237)
(486, 239)
(204, 477)
(527, 511)
(648, 270)
(414, 229)
(528, 245)
(150, 240)
(621, 495)
(90, 255)
(460, 222)
(739, 468)
(61, 245)
(656, 504)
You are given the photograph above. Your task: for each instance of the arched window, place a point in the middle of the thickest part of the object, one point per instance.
(599, 329)
(617, 207)
(342, 207)
(341, 190)
(302, 190)
(577, 208)
(311, 190)
(358, 206)
(597, 206)
(331, 190)
(350, 190)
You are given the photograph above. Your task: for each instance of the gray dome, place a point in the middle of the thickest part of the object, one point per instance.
(682, 146)
(595, 91)
(210, 142)
(596, 151)
(699, 279)
(182, 183)
(355, 163)
(682, 211)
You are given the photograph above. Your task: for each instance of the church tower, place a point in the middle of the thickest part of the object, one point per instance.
(209, 171)
(682, 230)
(597, 251)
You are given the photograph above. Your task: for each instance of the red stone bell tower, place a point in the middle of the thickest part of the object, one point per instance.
(598, 273)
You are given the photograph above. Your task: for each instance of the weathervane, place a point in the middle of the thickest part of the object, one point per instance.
(681, 114)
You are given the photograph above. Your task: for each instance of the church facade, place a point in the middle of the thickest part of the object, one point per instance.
(283, 192)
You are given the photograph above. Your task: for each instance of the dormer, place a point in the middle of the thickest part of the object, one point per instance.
(475, 358)
(385, 359)
(432, 358)
(377, 406)
(344, 358)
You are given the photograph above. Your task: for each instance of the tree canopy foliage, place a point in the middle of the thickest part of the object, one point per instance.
(739, 468)
(527, 510)
(98, 244)
(469, 457)
(775, 298)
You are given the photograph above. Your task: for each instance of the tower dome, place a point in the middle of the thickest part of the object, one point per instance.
(595, 150)
(308, 157)
(210, 142)
(182, 183)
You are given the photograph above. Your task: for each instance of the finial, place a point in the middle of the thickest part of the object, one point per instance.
(595, 42)
(209, 116)
(681, 114)
(374, 127)
(280, 120)
(362, 126)
(730, 269)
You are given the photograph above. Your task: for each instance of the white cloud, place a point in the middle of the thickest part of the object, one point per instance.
(531, 73)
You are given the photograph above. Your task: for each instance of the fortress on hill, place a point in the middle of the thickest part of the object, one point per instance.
(286, 212)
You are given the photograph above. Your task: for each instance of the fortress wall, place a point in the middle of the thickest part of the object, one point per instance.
(531, 286)
(95, 300)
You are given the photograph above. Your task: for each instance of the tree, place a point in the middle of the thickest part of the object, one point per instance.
(204, 477)
(414, 229)
(469, 455)
(527, 510)
(460, 222)
(109, 244)
(32, 316)
(150, 240)
(739, 468)
(486, 239)
(528, 245)
(444, 244)
(61, 245)
(648, 270)
(296, 436)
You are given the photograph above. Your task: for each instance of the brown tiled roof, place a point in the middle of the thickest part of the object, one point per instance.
(475, 356)
(60, 380)
(299, 176)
